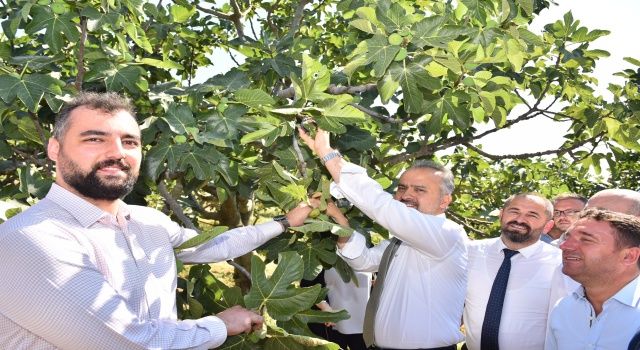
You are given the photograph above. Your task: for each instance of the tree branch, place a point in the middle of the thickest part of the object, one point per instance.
(215, 12)
(425, 150)
(297, 17)
(42, 136)
(522, 99)
(174, 206)
(240, 269)
(548, 86)
(236, 17)
(371, 112)
(558, 152)
(80, 63)
(301, 163)
(460, 220)
(333, 89)
(273, 27)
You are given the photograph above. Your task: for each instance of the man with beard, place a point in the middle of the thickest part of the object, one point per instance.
(83, 270)
(602, 252)
(566, 208)
(521, 318)
(417, 298)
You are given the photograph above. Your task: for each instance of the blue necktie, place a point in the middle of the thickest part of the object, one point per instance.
(491, 324)
(634, 344)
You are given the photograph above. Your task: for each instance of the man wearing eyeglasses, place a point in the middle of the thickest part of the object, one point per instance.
(566, 209)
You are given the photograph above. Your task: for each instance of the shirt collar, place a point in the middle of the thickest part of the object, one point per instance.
(526, 252)
(86, 213)
(629, 294)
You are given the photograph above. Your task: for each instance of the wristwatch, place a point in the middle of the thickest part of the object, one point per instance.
(282, 220)
(327, 157)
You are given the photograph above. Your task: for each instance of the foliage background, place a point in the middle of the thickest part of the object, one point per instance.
(393, 80)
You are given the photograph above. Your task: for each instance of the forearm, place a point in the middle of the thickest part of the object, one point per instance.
(232, 243)
(360, 258)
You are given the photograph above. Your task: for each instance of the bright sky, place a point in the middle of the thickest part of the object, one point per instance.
(618, 16)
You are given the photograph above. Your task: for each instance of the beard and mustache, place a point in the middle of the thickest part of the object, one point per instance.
(92, 186)
(525, 234)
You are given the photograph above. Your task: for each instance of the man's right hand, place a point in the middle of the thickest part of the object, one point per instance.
(320, 144)
(240, 320)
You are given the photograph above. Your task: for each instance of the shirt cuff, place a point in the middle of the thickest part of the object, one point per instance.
(353, 247)
(217, 329)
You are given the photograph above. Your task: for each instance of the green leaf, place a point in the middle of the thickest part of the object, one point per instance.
(181, 14)
(201, 161)
(387, 87)
(30, 89)
(364, 25)
(179, 118)
(315, 78)
(56, 26)
(124, 78)
(393, 17)
(315, 254)
(381, 53)
(412, 78)
(254, 98)
(515, 54)
(632, 60)
(323, 226)
(264, 133)
(232, 80)
(167, 64)
(221, 129)
(357, 139)
(98, 19)
(277, 293)
(426, 32)
(526, 5)
(137, 34)
(167, 151)
(201, 238)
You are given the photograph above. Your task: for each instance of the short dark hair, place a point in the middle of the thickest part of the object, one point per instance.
(548, 207)
(109, 102)
(626, 227)
(447, 186)
(569, 195)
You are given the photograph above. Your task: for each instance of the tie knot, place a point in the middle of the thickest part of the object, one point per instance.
(508, 253)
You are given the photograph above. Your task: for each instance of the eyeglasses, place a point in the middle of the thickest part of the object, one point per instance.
(570, 213)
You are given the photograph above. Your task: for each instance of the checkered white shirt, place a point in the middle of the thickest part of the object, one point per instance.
(75, 277)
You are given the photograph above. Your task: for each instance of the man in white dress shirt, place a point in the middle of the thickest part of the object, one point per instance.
(602, 252)
(523, 319)
(83, 270)
(423, 293)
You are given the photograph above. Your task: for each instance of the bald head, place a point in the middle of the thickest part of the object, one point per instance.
(616, 199)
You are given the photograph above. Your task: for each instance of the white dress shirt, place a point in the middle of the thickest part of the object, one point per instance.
(573, 324)
(422, 299)
(561, 286)
(348, 296)
(526, 303)
(76, 277)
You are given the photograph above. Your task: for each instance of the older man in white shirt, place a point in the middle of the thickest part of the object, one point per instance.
(420, 303)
